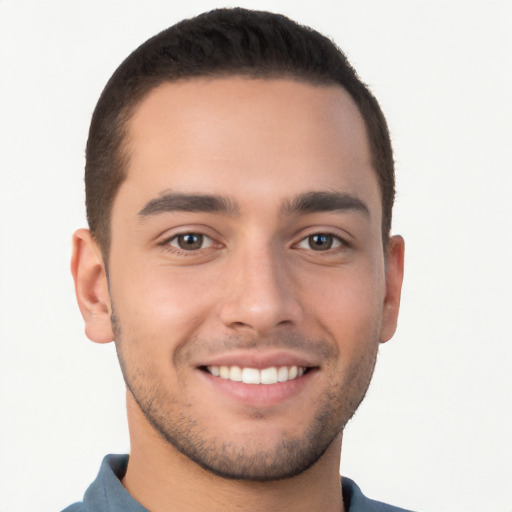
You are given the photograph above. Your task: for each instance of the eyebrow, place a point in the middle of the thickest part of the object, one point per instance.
(309, 202)
(178, 202)
(315, 202)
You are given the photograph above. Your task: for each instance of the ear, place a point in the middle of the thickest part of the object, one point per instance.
(394, 276)
(91, 287)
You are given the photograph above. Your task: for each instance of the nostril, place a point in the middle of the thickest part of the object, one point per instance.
(240, 324)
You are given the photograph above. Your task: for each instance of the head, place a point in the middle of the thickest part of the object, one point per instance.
(223, 42)
(239, 186)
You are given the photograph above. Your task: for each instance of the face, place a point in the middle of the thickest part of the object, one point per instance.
(247, 276)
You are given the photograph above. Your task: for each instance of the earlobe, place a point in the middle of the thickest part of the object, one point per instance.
(394, 278)
(91, 287)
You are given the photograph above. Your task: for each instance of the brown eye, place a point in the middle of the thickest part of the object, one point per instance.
(320, 242)
(189, 241)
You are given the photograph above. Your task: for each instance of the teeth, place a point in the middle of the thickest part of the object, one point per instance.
(271, 375)
(235, 373)
(282, 374)
(251, 376)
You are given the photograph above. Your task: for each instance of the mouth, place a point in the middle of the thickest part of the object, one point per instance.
(265, 376)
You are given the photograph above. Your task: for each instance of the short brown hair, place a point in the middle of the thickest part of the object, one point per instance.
(222, 42)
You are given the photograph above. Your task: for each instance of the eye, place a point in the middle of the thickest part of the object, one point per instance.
(320, 242)
(190, 242)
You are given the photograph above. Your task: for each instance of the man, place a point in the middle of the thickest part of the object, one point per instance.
(239, 187)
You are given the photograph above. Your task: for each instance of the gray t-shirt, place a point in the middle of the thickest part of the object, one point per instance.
(107, 494)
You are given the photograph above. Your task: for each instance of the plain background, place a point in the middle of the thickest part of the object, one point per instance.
(435, 431)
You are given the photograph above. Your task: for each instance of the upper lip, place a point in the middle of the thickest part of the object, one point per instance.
(259, 359)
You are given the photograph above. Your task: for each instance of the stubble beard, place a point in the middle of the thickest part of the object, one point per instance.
(286, 458)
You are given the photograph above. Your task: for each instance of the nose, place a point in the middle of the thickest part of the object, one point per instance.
(260, 294)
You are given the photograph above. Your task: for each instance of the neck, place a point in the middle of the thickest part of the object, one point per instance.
(163, 480)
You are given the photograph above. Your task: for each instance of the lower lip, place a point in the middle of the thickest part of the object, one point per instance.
(259, 395)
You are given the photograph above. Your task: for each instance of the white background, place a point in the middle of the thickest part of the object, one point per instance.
(435, 431)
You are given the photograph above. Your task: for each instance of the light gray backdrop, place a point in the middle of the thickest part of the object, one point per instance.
(435, 431)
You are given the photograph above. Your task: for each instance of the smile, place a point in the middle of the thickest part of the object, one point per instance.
(271, 375)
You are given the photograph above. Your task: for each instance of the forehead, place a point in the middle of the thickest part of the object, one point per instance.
(239, 136)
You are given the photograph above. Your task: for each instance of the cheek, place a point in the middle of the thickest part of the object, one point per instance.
(158, 306)
(348, 304)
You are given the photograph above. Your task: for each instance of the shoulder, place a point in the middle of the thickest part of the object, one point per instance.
(76, 507)
(356, 501)
(107, 493)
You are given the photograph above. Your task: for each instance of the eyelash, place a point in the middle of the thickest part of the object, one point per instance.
(180, 251)
(336, 243)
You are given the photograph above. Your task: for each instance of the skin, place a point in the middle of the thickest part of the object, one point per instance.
(256, 291)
